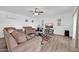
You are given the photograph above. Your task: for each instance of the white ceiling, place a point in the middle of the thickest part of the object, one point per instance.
(48, 10)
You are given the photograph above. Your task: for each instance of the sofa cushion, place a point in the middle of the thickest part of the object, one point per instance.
(19, 36)
(32, 35)
(33, 45)
(28, 37)
(10, 30)
(11, 42)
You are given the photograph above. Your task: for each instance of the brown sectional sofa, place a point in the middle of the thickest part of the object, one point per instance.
(29, 30)
(32, 45)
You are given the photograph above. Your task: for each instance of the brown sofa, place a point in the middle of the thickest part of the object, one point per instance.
(29, 30)
(32, 45)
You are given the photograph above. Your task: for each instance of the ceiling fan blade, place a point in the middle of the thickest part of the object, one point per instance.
(41, 12)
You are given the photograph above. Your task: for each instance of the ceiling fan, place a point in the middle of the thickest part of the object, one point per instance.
(37, 11)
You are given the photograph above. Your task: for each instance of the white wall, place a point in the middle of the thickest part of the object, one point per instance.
(18, 21)
(66, 23)
(10, 19)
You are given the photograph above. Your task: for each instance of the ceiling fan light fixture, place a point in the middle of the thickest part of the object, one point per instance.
(36, 13)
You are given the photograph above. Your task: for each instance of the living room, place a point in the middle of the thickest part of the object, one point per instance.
(59, 17)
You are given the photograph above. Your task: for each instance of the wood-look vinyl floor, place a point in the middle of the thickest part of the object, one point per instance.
(56, 43)
(59, 43)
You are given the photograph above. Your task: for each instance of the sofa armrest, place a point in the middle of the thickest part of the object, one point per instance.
(10, 41)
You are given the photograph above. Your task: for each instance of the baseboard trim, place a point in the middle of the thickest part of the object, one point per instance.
(62, 35)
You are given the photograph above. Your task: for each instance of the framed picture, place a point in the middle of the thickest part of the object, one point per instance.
(59, 22)
(32, 21)
(26, 20)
